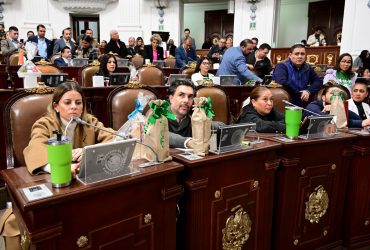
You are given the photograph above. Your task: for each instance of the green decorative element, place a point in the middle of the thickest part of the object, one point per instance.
(158, 111)
(161, 138)
(340, 94)
(208, 108)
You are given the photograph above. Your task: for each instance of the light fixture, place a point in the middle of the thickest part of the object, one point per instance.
(253, 8)
(161, 5)
(231, 7)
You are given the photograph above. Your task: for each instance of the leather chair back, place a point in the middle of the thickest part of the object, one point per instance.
(121, 102)
(48, 69)
(13, 59)
(86, 74)
(52, 59)
(137, 61)
(187, 70)
(280, 94)
(170, 62)
(21, 112)
(151, 75)
(219, 100)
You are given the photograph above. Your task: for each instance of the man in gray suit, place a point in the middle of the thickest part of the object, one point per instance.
(64, 41)
(11, 44)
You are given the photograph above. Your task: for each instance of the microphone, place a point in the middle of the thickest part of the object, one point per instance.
(146, 164)
(309, 111)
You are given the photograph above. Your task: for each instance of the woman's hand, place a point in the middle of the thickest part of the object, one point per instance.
(326, 108)
(75, 169)
(76, 154)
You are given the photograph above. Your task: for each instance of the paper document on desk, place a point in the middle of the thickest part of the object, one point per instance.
(37, 192)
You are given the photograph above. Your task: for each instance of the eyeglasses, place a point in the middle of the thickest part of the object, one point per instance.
(348, 62)
(205, 63)
(359, 90)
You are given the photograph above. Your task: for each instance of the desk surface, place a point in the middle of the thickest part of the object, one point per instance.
(18, 178)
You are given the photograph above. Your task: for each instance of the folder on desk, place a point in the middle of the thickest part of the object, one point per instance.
(106, 161)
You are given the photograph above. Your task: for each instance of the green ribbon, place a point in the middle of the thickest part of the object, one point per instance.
(340, 94)
(208, 108)
(159, 110)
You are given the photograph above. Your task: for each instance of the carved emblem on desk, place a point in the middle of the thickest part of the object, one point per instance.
(25, 241)
(330, 58)
(41, 88)
(82, 241)
(312, 59)
(317, 204)
(237, 229)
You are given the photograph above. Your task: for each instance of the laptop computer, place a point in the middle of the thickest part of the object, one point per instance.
(122, 63)
(316, 127)
(173, 77)
(53, 79)
(119, 78)
(230, 137)
(80, 62)
(158, 63)
(106, 161)
(229, 80)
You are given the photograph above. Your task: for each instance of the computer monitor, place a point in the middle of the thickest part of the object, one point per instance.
(158, 63)
(229, 80)
(53, 79)
(122, 63)
(174, 77)
(119, 78)
(80, 62)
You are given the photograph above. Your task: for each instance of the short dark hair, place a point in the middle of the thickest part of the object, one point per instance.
(187, 29)
(245, 42)
(65, 30)
(1, 24)
(86, 38)
(66, 47)
(172, 88)
(30, 31)
(13, 28)
(297, 45)
(40, 26)
(256, 39)
(264, 46)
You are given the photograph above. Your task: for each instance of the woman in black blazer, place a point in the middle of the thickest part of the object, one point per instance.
(153, 51)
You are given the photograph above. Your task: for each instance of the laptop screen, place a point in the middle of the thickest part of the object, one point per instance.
(122, 63)
(53, 79)
(119, 78)
(158, 63)
(173, 77)
(80, 62)
(229, 137)
(228, 80)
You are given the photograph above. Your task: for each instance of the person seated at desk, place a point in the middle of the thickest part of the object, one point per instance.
(261, 111)
(202, 69)
(139, 48)
(108, 65)
(217, 51)
(361, 59)
(68, 101)
(65, 59)
(342, 72)
(259, 62)
(234, 63)
(357, 103)
(171, 47)
(322, 107)
(185, 53)
(297, 76)
(181, 94)
(87, 50)
(153, 52)
(315, 38)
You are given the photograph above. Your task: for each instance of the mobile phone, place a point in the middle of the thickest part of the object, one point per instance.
(21, 40)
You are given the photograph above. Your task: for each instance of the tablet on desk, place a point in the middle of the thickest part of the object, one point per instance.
(106, 161)
(53, 79)
(122, 63)
(80, 62)
(119, 78)
(174, 77)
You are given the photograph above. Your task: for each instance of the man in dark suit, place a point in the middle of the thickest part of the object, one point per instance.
(185, 53)
(64, 41)
(131, 47)
(65, 58)
(44, 45)
(149, 50)
(115, 45)
(216, 52)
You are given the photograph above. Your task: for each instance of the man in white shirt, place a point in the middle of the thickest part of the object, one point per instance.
(44, 45)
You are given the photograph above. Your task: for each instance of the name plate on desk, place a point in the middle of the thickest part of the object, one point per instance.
(37, 192)
(105, 161)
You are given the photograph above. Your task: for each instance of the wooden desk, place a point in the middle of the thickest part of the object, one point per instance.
(356, 219)
(111, 214)
(314, 55)
(305, 166)
(217, 186)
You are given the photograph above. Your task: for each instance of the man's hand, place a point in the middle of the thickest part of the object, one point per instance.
(305, 95)
(75, 169)
(189, 143)
(250, 67)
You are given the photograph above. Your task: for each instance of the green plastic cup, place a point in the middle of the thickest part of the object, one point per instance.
(60, 158)
(293, 116)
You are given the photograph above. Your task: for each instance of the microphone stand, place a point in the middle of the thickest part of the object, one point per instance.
(291, 104)
(146, 164)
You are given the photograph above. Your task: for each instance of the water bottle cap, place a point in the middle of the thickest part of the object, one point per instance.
(55, 141)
